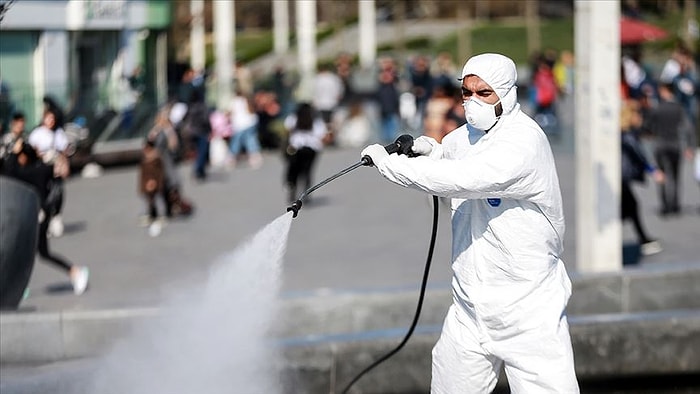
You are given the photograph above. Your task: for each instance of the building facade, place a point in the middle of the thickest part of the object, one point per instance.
(90, 56)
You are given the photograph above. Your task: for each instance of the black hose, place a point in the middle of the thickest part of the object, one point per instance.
(296, 205)
(421, 297)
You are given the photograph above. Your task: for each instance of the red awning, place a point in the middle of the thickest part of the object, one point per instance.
(634, 31)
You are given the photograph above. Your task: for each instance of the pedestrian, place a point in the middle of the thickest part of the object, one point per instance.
(166, 142)
(634, 167)
(219, 155)
(388, 101)
(673, 137)
(421, 86)
(544, 95)
(510, 285)
(306, 135)
(328, 90)
(680, 72)
(244, 122)
(437, 107)
(268, 109)
(152, 184)
(17, 125)
(24, 164)
(197, 128)
(51, 143)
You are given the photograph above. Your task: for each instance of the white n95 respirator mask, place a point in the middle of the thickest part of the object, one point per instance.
(480, 114)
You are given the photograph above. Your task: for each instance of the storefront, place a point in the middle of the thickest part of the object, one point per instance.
(91, 56)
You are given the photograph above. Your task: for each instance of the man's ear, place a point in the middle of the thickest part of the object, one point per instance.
(499, 109)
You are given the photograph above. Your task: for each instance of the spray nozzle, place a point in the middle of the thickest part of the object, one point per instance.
(402, 146)
(295, 207)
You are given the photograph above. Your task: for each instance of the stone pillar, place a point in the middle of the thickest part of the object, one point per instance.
(597, 128)
(306, 47)
(54, 69)
(368, 33)
(280, 24)
(224, 31)
(19, 209)
(197, 41)
(532, 21)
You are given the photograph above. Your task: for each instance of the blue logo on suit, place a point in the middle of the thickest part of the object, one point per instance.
(494, 202)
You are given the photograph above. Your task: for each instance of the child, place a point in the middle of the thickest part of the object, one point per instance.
(151, 184)
(306, 139)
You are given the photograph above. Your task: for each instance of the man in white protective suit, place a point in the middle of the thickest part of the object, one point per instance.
(510, 287)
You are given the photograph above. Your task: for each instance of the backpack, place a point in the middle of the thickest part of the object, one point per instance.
(546, 89)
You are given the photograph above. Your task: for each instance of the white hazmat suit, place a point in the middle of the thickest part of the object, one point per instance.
(510, 286)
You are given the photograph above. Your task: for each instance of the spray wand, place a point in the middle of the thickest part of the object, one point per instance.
(402, 145)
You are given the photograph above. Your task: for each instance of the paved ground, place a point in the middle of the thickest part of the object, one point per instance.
(359, 232)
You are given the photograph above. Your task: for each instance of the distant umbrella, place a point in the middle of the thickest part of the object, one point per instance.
(634, 31)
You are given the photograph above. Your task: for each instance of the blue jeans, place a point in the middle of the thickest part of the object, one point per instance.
(247, 138)
(390, 127)
(200, 163)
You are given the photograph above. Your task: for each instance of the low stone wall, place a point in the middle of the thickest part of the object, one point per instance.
(632, 290)
(637, 322)
(605, 346)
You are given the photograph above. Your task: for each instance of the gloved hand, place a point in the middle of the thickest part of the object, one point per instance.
(376, 152)
(423, 145)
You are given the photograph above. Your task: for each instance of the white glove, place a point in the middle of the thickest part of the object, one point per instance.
(423, 145)
(376, 152)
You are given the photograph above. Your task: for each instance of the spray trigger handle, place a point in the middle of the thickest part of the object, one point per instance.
(402, 146)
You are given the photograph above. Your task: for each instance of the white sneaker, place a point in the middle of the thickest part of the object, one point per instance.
(155, 228)
(56, 226)
(79, 280)
(651, 247)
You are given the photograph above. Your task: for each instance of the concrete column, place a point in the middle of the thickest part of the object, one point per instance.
(224, 31)
(75, 14)
(197, 42)
(280, 25)
(306, 46)
(368, 33)
(464, 35)
(162, 67)
(597, 127)
(532, 21)
(690, 31)
(54, 68)
(130, 45)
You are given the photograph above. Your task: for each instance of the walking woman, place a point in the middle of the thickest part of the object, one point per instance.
(24, 164)
(306, 134)
(635, 166)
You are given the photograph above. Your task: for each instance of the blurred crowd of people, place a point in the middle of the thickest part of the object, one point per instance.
(349, 107)
(39, 159)
(659, 124)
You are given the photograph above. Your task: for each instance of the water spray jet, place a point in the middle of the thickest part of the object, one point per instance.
(402, 146)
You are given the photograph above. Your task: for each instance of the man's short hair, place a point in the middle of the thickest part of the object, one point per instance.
(17, 116)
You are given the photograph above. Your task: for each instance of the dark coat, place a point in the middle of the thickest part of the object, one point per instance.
(151, 169)
(634, 162)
